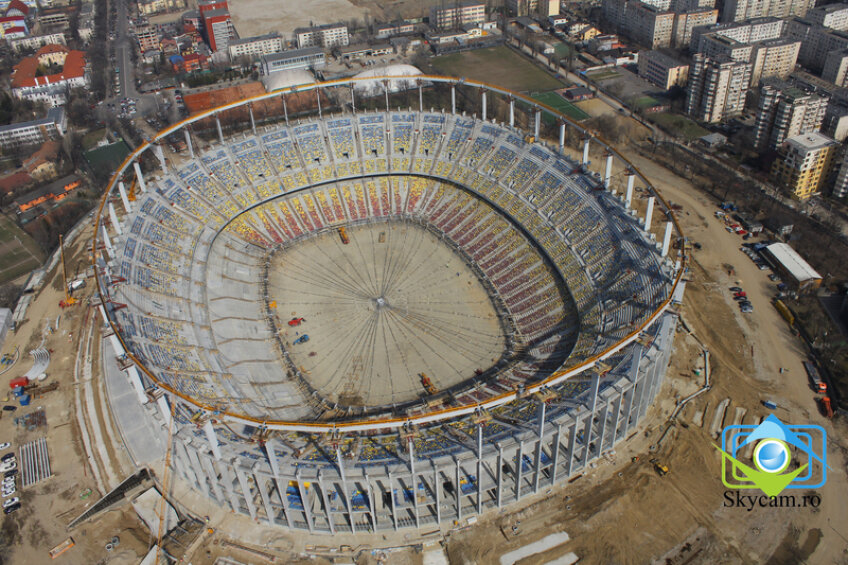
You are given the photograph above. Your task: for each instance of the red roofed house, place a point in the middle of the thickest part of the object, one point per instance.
(41, 165)
(14, 181)
(17, 8)
(52, 89)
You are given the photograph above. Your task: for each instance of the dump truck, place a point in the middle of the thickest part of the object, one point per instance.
(815, 379)
(296, 321)
(427, 384)
(826, 407)
(343, 235)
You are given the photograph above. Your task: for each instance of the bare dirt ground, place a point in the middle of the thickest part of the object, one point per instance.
(257, 17)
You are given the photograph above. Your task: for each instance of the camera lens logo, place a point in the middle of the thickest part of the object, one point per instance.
(775, 447)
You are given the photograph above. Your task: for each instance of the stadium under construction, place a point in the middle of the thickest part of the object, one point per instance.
(382, 318)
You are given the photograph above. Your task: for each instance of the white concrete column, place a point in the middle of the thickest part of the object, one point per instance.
(538, 123)
(649, 212)
(164, 409)
(586, 141)
(628, 197)
(188, 143)
(135, 381)
(666, 238)
(608, 171)
(420, 97)
(126, 201)
(220, 131)
(252, 120)
(107, 242)
(484, 105)
(318, 97)
(453, 99)
(161, 155)
(561, 136)
(286, 114)
(511, 112)
(212, 439)
(245, 491)
(141, 184)
(114, 217)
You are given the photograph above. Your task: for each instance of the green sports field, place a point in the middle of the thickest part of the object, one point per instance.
(18, 252)
(497, 65)
(560, 104)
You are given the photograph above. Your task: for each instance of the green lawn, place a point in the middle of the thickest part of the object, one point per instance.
(560, 104)
(645, 102)
(19, 254)
(678, 124)
(90, 139)
(497, 65)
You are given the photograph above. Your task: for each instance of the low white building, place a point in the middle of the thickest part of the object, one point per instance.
(255, 46)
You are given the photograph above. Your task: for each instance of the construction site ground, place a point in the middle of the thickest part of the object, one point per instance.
(620, 511)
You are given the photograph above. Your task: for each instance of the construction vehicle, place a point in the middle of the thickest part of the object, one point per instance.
(660, 468)
(302, 339)
(826, 407)
(296, 321)
(815, 380)
(131, 195)
(69, 300)
(343, 235)
(427, 384)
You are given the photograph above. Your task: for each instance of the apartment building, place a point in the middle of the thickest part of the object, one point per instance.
(768, 58)
(785, 111)
(52, 126)
(686, 22)
(458, 15)
(836, 67)
(805, 164)
(255, 46)
(36, 41)
(717, 87)
(542, 8)
(758, 29)
(816, 42)
(660, 69)
(840, 184)
(327, 36)
(833, 16)
(741, 10)
(385, 31)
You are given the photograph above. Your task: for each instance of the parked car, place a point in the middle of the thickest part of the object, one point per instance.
(7, 457)
(11, 501)
(747, 309)
(12, 508)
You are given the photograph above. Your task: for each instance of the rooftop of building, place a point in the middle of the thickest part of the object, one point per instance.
(663, 58)
(812, 141)
(54, 115)
(245, 40)
(830, 8)
(293, 54)
(321, 27)
(25, 72)
(17, 5)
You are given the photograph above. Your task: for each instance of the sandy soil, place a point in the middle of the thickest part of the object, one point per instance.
(257, 17)
(595, 107)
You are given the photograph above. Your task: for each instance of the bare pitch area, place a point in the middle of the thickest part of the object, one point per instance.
(257, 17)
(393, 303)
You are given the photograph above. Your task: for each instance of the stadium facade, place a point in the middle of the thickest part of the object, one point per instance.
(582, 289)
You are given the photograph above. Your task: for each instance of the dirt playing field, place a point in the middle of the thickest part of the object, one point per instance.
(258, 17)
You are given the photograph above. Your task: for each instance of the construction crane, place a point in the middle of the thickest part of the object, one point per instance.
(131, 195)
(69, 300)
(166, 474)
